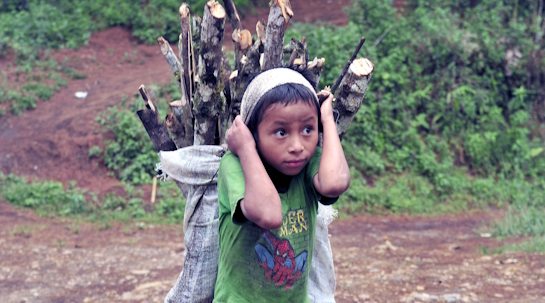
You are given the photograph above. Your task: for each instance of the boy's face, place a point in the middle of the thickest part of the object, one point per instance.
(288, 135)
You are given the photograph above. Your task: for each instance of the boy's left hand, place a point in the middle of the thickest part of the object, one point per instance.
(326, 108)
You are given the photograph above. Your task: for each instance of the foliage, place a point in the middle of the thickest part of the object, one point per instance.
(443, 92)
(29, 26)
(51, 198)
(131, 154)
(455, 110)
(35, 80)
(47, 197)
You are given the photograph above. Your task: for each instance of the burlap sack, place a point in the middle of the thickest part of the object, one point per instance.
(194, 169)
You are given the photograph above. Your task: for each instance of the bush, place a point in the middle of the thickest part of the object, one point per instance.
(29, 26)
(51, 198)
(47, 197)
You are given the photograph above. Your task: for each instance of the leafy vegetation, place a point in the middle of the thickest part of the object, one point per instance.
(51, 198)
(130, 155)
(454, 115)
(32, 28)
(37, 80)
(28, 26)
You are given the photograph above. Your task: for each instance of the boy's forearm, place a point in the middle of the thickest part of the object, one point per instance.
(261, 203)
(333, 173)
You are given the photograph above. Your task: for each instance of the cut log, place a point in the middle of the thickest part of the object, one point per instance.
(247, 66)
(261, 31)
(225, 113)
(184, 47)
(171, 58)
(210, 101)
(155, 129)
(232, 14)
(195, 49)
(279, 16)
(316, 68)
(345, 69)
(352, 92)
(242, 40)
(176, 130)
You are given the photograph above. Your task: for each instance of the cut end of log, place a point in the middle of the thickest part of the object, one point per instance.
(261, 30)
(316, 63)
(175, 103)
(143, 93)
(246, 39)
(243, 38)
(233, 75)
(184, 10)
(362, 67)
(298, 61)
(169, 120)
(216, 10)
(164, 45)
(285, 5)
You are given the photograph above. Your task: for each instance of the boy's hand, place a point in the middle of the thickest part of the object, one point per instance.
(326, 109)
(333, 177)
(239, 137)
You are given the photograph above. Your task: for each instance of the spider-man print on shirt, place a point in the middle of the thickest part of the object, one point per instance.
(279, 261)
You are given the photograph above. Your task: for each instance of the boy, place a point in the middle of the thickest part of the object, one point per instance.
(268, 187)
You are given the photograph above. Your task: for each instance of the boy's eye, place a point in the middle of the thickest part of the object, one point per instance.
(307, 130)
(280, 133)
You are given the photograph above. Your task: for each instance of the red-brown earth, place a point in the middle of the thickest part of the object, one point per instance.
(377, 258)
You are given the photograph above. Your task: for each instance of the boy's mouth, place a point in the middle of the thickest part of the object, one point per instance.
(295, 163)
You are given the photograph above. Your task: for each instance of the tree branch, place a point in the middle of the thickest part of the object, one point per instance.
(345, 69)
(156, 130)
(352, 92)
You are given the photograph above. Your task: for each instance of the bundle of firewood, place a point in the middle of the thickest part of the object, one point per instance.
(212, 89)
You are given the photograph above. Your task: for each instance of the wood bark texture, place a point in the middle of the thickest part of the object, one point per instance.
(184, 47)
(210, 101)
(279, 16)
(232, 14)
(212, 91)
(352, 92)
(150, 119)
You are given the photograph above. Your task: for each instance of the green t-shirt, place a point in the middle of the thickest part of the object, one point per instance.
(257, 265)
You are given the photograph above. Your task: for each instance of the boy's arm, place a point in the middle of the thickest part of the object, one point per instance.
(333, 177)
(261, 203)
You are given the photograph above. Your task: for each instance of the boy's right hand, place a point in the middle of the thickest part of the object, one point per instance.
(239, 138)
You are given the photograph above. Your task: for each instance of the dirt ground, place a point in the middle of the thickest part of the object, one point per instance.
(378, 259)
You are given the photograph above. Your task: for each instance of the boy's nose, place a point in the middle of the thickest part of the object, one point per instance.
(296, 145)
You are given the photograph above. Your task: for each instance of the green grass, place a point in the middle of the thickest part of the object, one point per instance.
(130, 155)
(50, 198)
(35, 80)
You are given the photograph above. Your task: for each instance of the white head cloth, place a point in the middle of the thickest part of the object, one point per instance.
(266, 81)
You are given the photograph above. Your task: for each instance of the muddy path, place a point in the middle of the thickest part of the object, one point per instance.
(377, 259)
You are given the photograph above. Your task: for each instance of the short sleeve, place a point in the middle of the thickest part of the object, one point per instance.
(313, 165)
(312, 170)
(231, 186)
